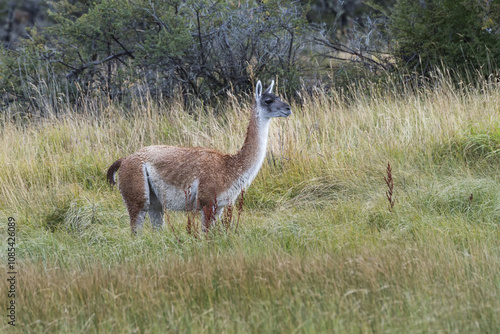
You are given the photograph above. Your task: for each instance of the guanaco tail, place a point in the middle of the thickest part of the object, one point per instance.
(190, 178)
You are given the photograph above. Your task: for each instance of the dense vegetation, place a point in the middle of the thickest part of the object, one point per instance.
(461, 35)
(203, 49)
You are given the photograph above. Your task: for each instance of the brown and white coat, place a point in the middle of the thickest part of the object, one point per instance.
(160, 176)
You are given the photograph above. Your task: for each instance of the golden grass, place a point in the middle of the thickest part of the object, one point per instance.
(317, 249)
(376, 290)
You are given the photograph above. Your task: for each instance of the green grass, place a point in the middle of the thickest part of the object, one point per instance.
(317, 249)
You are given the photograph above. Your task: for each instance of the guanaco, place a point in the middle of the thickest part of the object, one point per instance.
(190, 178)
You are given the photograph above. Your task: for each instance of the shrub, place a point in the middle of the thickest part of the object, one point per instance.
(199, 49)
(456, 34)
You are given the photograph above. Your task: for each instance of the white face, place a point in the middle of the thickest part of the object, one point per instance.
(269, 104)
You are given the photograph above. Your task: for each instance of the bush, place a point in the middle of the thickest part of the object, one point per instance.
(457, 34)
(199, 49)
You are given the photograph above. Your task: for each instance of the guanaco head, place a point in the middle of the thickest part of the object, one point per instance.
(269, 105)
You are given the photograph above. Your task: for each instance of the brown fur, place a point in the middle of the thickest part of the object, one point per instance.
(134, 188)
(216, 171)
(112, 170)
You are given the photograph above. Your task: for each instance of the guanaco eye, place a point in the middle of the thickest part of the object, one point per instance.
(268, 101)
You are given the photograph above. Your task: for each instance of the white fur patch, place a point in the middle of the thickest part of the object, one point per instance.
(242, 182)
(146, 188)
(171, 197)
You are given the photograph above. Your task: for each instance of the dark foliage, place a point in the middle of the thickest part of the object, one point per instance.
(457, 34)
(198, 49)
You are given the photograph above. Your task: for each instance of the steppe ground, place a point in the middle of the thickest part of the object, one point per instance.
(317, 249)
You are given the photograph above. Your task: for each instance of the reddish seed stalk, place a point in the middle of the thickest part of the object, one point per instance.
(228, 217)
(172, 227)
(390, 184)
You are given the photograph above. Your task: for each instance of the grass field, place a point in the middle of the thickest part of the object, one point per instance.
(317, 251)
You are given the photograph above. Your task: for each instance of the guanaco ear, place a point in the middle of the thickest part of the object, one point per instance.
(258, 90)
(269, 89)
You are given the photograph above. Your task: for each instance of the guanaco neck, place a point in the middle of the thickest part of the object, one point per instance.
(250, 157)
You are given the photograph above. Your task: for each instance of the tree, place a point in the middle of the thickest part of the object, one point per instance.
(197, 48)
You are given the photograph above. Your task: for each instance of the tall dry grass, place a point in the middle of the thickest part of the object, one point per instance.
(317, 249)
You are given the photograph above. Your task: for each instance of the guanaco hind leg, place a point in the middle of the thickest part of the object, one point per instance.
(155, 210)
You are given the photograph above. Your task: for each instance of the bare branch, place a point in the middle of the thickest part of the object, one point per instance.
(79, 70)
